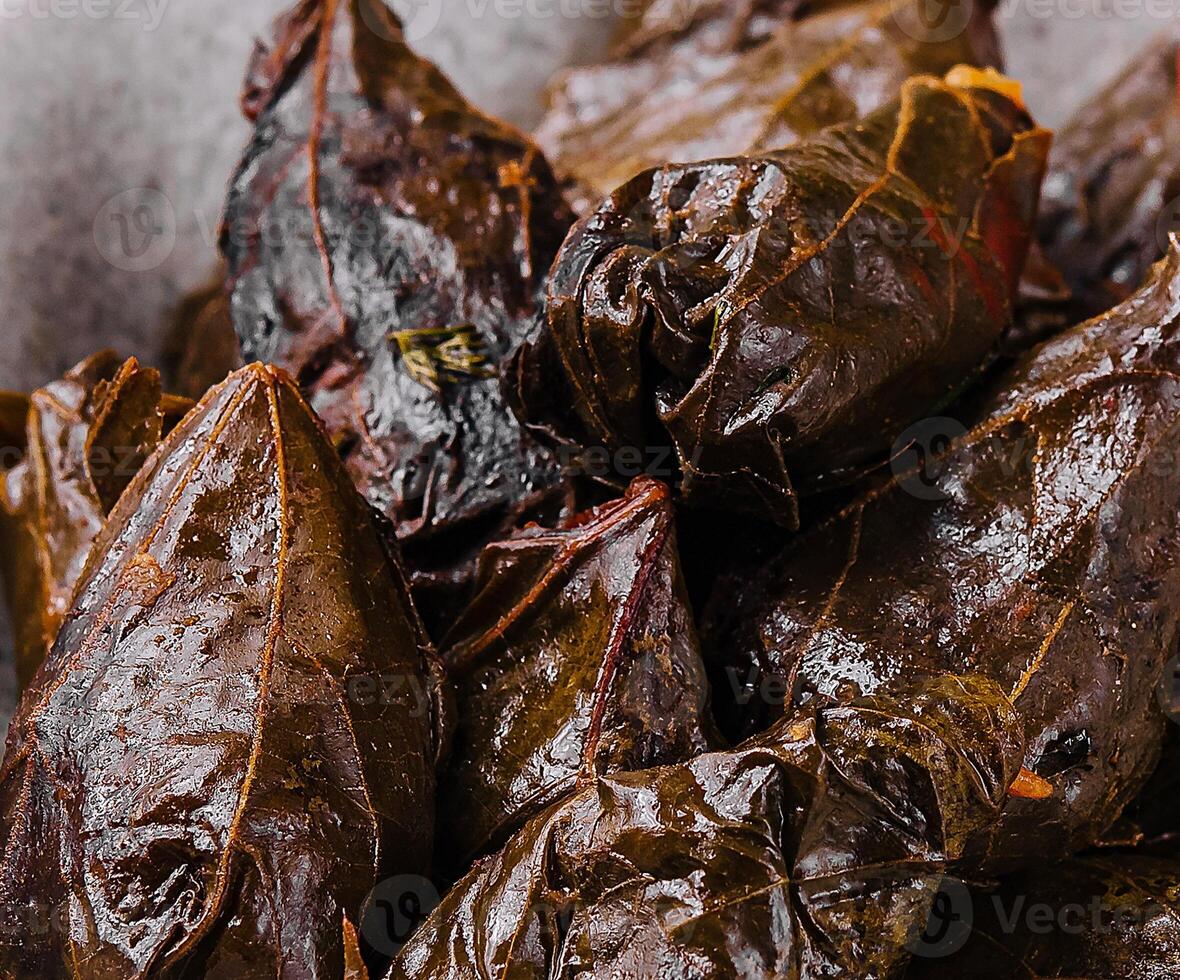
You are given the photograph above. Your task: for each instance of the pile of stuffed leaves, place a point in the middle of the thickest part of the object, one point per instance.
(667, 563)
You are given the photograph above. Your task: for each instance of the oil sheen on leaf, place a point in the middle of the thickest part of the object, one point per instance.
(386, 245)
(814, 851)
(781, 319)
(1047, 558)
(192, 786)
(578, 657)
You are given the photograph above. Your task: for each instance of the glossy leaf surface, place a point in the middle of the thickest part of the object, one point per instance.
(578, 657)
(813, 852)
(386, 244)
(86, 437)
(191, 786)
(1113, 192)
(1041, 549)
(730, 79)
(783, 318)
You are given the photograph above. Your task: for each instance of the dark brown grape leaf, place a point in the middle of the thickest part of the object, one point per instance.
(14, 410)
(1092, 918)
(1151, 822)
(87, 436)
(1113, 190)
(783, 318)
(577, 657)
(1041, 549)
(128, 423)
(386, 244)
(815, 851)
(1043, 304)
(191, 787)
(729, 80)
(202, 346)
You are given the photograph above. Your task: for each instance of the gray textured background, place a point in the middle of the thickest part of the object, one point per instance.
(104, 98)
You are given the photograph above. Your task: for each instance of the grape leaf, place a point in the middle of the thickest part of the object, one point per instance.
(782, 319)
(1040, 549)
(722, 79)
(1113, 190)
(194, 783)
(815, 851)
(577, 657)
(85, 438)
(386, 244)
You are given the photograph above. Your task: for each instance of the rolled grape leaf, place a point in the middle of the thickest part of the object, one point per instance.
(202, 347)
(1093, 917)
(386, 244)
(815, 851)
(733, 79)
(196, 783)
(783, 318)
(86, 436)
(1113, 191)
(578, 657)
(1041, 549)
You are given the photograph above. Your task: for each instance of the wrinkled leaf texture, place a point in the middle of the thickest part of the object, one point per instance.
(578, 657)
(733, 79)
(386, 244)
(84, 437)
(783, 318)
(189, 788)
(813, 852)
(1041, 549)
(1113, 191)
